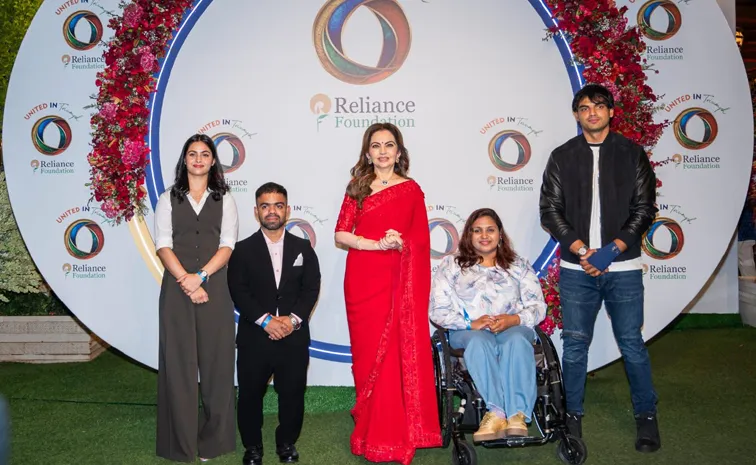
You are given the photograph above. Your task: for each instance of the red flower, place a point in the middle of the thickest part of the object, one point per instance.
(140, 40)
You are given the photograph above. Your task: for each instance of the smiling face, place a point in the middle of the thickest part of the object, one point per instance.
(198, 159)
(485, 236)
(383, 149)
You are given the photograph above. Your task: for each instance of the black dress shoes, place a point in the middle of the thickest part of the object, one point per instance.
(287, 453)
(648, 439)
(253, 456)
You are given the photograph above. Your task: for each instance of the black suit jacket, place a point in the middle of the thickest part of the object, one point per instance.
(252, 283)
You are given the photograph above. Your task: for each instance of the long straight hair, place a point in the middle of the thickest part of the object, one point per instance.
(468, 256)
(216, 183)
(362, 172)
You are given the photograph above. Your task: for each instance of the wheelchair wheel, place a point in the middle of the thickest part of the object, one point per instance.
(463, 453)
(444, 381)
(555, 370)
(572, 450)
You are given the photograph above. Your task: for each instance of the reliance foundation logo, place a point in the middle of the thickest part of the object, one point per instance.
(305, 228)
(327, 36)
(51, 135)
(83, 240)
(82, 31)
(228, 136)
(696, 128)
(509, 151)
(660, 20)
(360, 112)
(665, 240)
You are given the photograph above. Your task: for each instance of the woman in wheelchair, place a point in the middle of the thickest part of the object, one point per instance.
(489, 299)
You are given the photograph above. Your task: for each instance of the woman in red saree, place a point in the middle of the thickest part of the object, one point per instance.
(383, 222)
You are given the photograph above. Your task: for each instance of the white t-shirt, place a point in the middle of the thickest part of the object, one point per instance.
(594, 240)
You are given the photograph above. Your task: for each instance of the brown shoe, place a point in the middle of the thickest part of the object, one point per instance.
(492, 427)
(516, 425)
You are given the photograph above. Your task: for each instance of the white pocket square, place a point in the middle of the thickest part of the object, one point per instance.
(299, 261)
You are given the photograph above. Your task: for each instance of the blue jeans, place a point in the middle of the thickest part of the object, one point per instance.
(502, 367)
(581, 296)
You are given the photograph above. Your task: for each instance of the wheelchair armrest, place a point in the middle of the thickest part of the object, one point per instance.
(443, 332)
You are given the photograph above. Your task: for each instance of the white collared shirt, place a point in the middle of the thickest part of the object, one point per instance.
(164, 223)
(275, 249)
(276, 255)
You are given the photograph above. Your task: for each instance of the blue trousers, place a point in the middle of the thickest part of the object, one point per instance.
(581, 296)
(502, 367)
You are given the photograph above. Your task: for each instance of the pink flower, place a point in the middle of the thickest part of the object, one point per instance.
(132, 152)
(109, 208)
(148, 62)
(108, 111)
(132, 14)
(547, 325)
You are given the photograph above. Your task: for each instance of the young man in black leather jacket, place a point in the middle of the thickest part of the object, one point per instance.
(598, 199)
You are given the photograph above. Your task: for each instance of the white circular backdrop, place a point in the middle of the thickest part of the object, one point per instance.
(249, 74)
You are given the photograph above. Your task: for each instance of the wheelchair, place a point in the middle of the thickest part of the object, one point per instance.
(461, 408)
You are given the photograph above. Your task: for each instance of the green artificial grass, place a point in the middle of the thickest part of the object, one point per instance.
(103, 412)
(706, 321)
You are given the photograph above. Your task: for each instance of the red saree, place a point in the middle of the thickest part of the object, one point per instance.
(386, 294)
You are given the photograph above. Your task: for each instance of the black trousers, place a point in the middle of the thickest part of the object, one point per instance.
(195, 337)
(255, 364)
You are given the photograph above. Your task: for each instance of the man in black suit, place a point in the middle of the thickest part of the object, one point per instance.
(274, 278)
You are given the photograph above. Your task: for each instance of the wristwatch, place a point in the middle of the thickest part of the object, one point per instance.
(582, 251)
(295, 324)
(203, 274)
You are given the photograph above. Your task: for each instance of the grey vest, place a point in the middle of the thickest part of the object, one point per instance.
(196, 237)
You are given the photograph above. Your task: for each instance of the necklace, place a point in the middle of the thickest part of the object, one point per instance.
(386, 181)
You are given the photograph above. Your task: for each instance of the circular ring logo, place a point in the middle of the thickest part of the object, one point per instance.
(329, 26)
(93, 34)
(38, 135)
(452, 237)
(674, 19)
(98, 239)
(237, 147)
(307, 230)
(523, 150)
(676, 244)
(320, 103)
(711, 129)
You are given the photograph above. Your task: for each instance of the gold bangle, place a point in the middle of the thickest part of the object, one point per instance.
(357, 244)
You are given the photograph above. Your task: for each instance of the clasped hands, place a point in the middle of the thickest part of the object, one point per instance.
(279, 327)
(391, 241)
(495, 324)
(596, 261)
(191, 284)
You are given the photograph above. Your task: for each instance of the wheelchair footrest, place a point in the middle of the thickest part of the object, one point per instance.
(515, 441)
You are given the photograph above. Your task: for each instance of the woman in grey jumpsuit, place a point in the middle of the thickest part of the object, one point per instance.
(196, 226)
